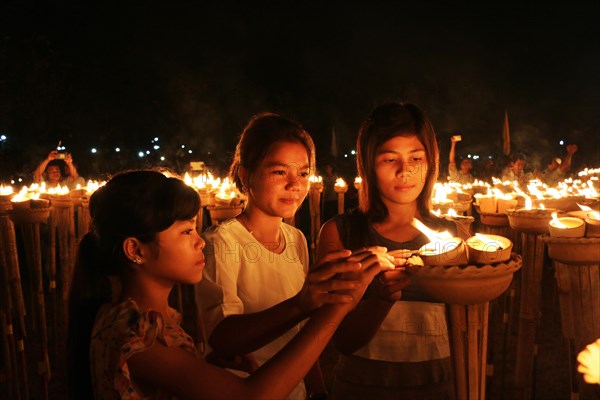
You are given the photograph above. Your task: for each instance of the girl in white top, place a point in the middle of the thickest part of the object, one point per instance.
(255, 293)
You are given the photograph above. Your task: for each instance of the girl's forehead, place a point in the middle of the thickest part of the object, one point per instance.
(286, 153)
(402, 143)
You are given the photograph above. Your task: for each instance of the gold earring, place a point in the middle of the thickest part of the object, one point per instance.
(137, 260)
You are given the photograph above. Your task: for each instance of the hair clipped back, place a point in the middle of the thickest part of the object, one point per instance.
(136, 204)
(261, 132)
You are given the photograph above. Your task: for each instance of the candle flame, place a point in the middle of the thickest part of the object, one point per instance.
(358, 179)
(594, 215)
(584, 208)
(488, 241)
(431, 234)
(557, 222)
(339, 182)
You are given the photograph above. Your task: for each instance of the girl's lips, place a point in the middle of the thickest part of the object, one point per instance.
(403, 188)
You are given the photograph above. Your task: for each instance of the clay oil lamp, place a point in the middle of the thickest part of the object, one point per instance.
(21, 200)
(530, 219)
(448, 276)
(443, 249)
(6, 193)
(488, 249)
(571, 227)
(592, 221)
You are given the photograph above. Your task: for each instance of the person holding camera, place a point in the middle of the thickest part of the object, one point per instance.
(462, 175)
(57, 169)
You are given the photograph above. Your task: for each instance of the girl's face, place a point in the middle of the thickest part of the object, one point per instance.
(179, 258)
(280, 183)
(401, 170)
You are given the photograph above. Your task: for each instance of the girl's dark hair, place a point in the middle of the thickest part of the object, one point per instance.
(385, 122)
(136, 204)
(261, 132)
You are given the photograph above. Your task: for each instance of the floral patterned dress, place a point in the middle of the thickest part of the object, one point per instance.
(121, 330)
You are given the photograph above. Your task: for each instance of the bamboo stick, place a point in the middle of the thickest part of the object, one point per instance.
(473, 351)
(529, 313)
(458, 350)
(14, 274)
(483, 346)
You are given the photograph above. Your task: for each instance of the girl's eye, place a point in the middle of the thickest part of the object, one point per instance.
(389, 160)
(304, 174)
(188, 231)
(279, 172)
(417, 159)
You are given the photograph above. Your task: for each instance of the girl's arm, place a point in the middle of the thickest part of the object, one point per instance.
(263, 327)
(361, 324)
(179, 372)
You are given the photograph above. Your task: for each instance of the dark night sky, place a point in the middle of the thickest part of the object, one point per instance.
(193, 73)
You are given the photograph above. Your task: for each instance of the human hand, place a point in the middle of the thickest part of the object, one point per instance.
(245, 362)
(389, 284)
(52, 155)
(375, 261)
(571, 148)
(323, 284)
(69, 158)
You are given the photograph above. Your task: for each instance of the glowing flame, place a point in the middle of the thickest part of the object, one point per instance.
(584, 208)
(488, 241)
(557, 223)
(315, 179)
(594, 215)
(358, 179)
(339, 182)
(431, 234)
(6, 190)
(528, 203)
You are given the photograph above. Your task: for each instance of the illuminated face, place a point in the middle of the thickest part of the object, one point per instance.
(280, 183)
(465, 166)
(53, 173)
(401, 170)
(518, 167)
(179, 258)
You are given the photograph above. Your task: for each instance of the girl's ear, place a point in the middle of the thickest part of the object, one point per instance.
(132, 248)
(244, 177)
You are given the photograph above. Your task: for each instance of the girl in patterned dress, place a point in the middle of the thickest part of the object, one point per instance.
(124, 340)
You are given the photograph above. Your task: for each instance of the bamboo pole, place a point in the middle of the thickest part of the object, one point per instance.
(314, 197)
(29, 222)
(579, 297)
(341, 192)
(457, 327)
(14, 275)
(529, 312)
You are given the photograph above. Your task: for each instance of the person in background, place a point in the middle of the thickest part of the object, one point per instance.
(515, 170)
(489, 171)
(462, 175)
(394, 344)
(58, 169)
(126, 342)
(557, 169)
(257, 280)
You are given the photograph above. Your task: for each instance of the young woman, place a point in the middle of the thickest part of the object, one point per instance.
(395, 343)
(125, 342)
(252, 296)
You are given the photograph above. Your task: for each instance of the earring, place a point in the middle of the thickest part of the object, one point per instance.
(137, 260)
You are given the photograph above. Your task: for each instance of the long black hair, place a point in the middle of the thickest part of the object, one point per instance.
(136, 204)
